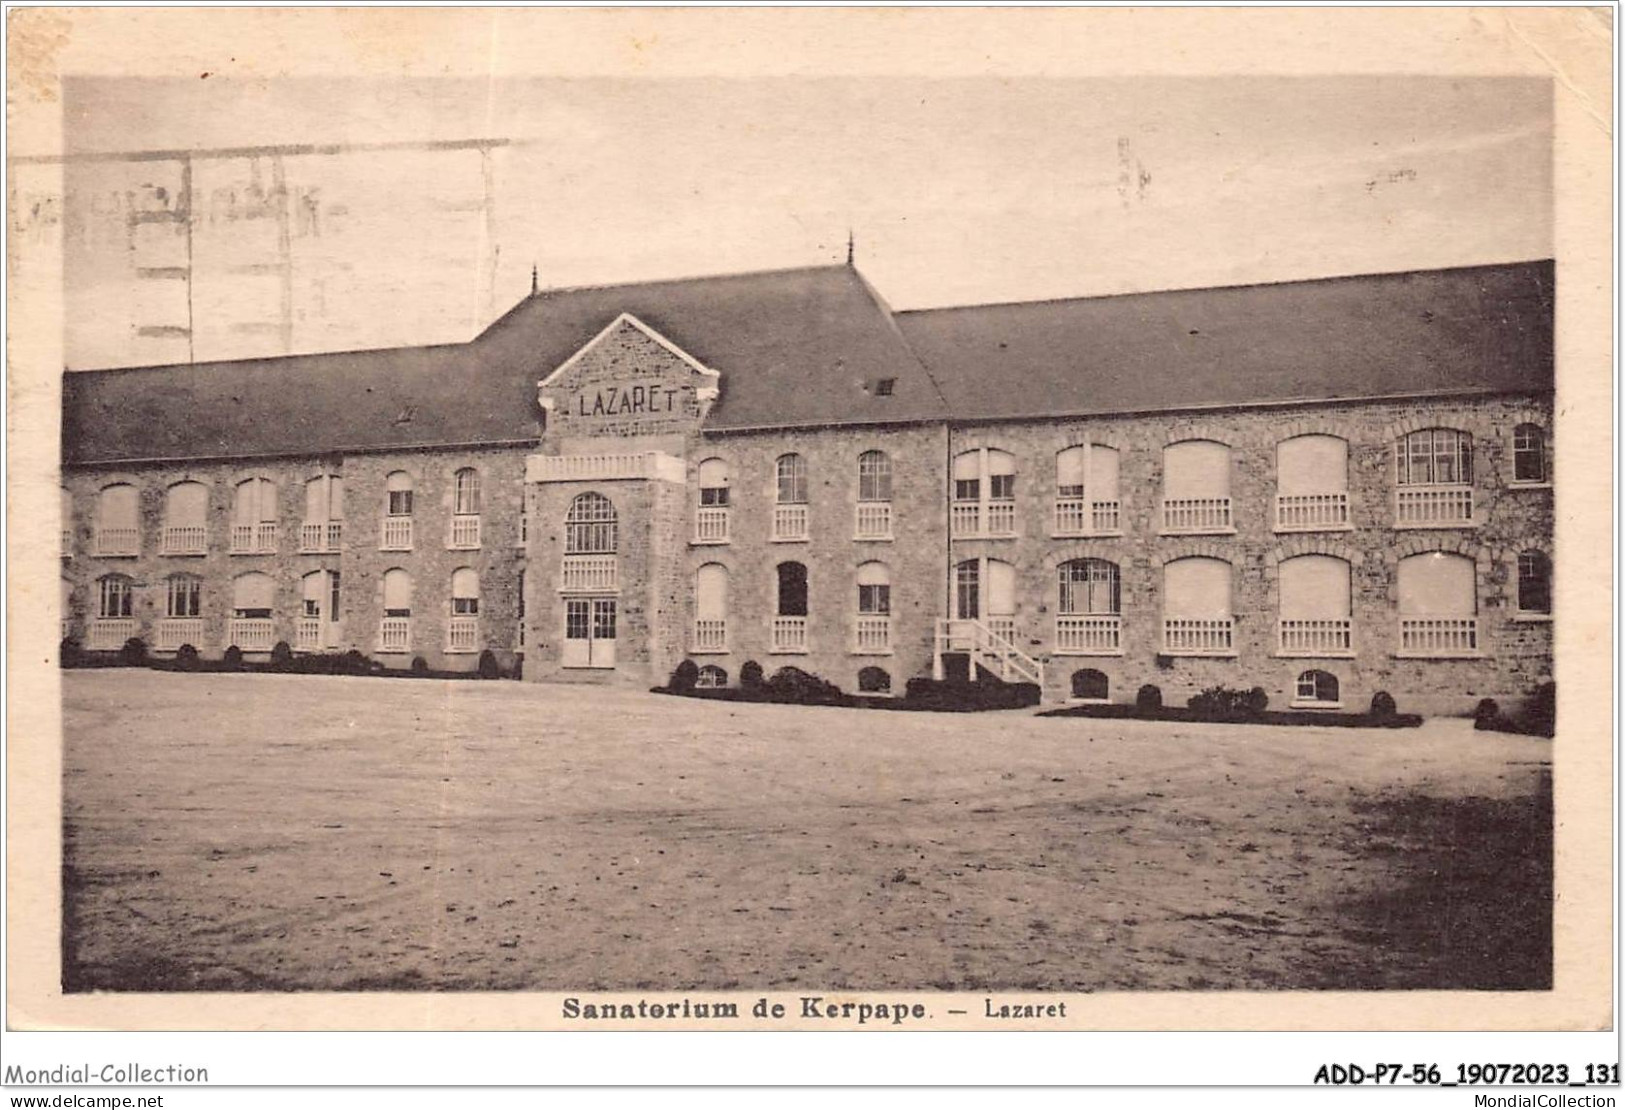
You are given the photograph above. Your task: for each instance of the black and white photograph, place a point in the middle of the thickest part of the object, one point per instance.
(933, 549)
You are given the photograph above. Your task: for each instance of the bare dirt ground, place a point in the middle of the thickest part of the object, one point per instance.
(300, 833)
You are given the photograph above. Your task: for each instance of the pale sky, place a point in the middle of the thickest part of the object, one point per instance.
(959, 191)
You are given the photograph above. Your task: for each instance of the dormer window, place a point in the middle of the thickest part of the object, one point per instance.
(885, 386)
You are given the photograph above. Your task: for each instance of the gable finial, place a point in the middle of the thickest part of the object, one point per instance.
(534, 275)
(851, 246)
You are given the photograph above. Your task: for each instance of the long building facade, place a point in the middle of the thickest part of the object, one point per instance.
(1323, 488)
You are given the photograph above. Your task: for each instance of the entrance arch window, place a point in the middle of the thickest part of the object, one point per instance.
(790, 499)
(463, 629)
(790, 607)
(874, 680)
(984, 493)
(1317, 690)
(115, 613)
(711, 608)
(1090, 685)
(1086, 497)
(1196, 614)
(1529, 453)
(1089, 618)
(323, 529)
(1196, 488)
(1435, 479)
(118, 524)
(1534, 584)
(874, 496)
(465, 510)
(1315, 600)
(1438, 605)
(711, 522)
(395, 532)
(1312, 484)
(873, 621)
(591, 539)
(254, 517)
(395, 629)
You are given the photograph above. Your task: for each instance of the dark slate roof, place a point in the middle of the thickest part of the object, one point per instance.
(1475, 329)
(794, 347)
(805, 347)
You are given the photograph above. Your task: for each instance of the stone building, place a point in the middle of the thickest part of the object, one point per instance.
(1325, 488)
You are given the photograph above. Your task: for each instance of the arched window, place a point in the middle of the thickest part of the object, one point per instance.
(312, 592)
(874, 680)
(1086, 497)
(1317, 689)
(397, 593)
(323, 529)
(1196, 614)
(1534, 582)
(1438, 604)
(465, 592)
(984, 493)
(1528, 453)
(874, 476)
(1196, 487)
(118, 525)
(713, 478)
(398, 493)
(184, 596)
(186, 515)
(791, 474)
(711, 608)
(591, 527)
(115, 597)
(1090, 685)
(874, 589)
(1312, 483)
(791, 593)
(253, 517)
(1435, 457)
(1315, 604)
(1090, 586)
(253, 596)
(711, 677)
(466, 492)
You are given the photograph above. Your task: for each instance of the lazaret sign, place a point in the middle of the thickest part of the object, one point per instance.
(627, 380)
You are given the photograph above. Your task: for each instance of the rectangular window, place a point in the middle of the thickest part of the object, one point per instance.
(575, 619)
(967, 489)
(1528, 454)
(716, 496)
(1002, 487)
(874, 600)
(115, 598)
(185, 597)
(465, 606)
(333, 595)
(400, 502)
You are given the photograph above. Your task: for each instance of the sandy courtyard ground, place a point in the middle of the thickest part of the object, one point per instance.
(293, 833)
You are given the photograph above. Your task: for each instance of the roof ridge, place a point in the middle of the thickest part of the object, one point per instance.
(891, 322)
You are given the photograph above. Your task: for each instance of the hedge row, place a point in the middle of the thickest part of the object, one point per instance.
(283, 661)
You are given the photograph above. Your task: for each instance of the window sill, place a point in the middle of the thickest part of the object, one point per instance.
(1314, 655)
(1117, 535)
(457, 547)
(1312, 704)
(872, 539)
(1529, 485)
(461, 651)
(388, 651)
(789, 651)
(1197, 532)
(182, 554)
(1084, 653)
(1433, 525)
(872, 651)
(987, 535)
(1283, 529)
(1172, 653)
(709, 543)
(1532, 618)
(262, 553)
(399, 550)
(1088, 701)
(790, 539)
(1438, 655)
(708, 651)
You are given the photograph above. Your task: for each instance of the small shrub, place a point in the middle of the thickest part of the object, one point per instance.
(1540, 711)
(353, 662)
(1487, 714)
(186, 658)
(281, 655)
(1149, 698)
(68, 653)
(519, 666)
(1382, 705)
(134, 652)
(420, 665)
(1257, 701)
(750, 675)
(795, 686)
(489, 667)
(1221, 703)
(685, 677)
(234, 658)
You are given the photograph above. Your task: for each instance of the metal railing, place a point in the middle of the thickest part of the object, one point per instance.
(711, 525)
(395, 534)
(1213, 636)
(172, 632)
(873, 520)
(117, 541)
(463, 634)
(109, 633)
(395, 634)
(254, 539)
(1317, 637)
(465, 532)
(1088, 635)
(321, 537)
(589, 574)
(1438, 635)
(873, 633)
(251, 633)
(710, 634)
(1196, 514)
(789, 522)
(1305, 512)
(1433, 506)
(789, 634)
